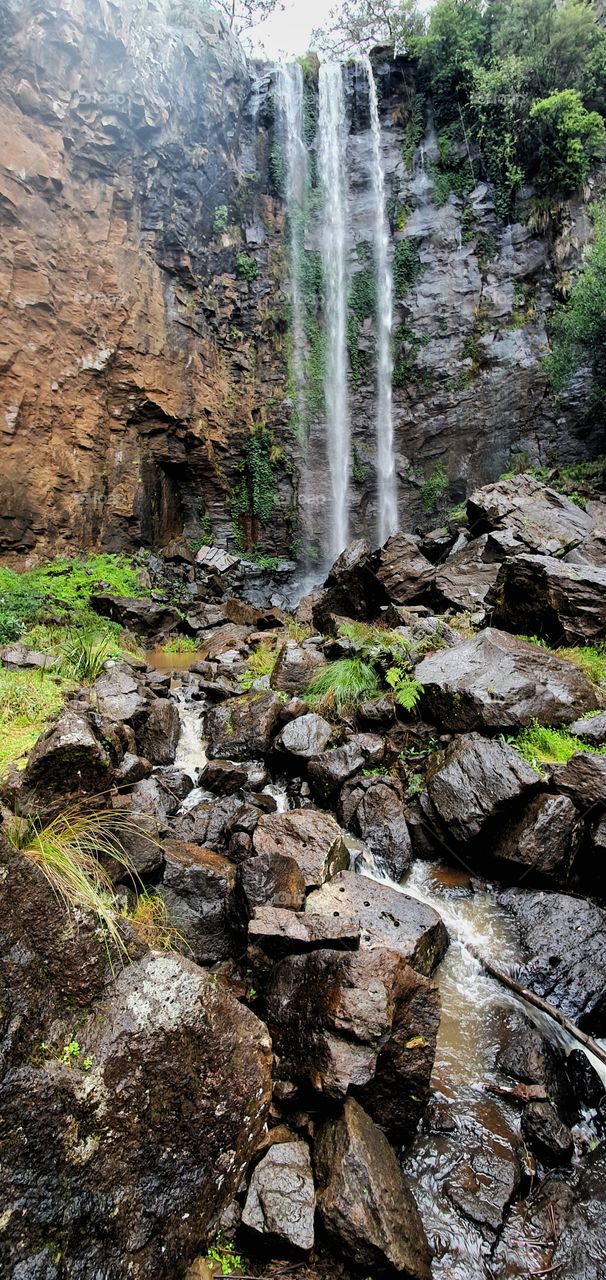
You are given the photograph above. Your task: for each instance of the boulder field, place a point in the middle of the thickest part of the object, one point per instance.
(259, 1063)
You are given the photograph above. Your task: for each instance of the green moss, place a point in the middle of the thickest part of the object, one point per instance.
(406, 267)
(540, 745)
(246, 267)
(434, 488)
(220, 219)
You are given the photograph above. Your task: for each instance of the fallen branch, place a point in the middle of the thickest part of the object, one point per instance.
(529, 996)
(520, 1092)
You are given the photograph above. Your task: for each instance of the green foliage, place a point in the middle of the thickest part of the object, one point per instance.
(254, 494)
(222, 1253)
(362, 306)
(566, 138)
(343, 685)
(540, 745)
(358, 470)
(579, 327)
(220, 219)
(151, 922)
(28, 702)
(180, 644)
(414, 126)
(406, 690)
(277, 169)
(246, 267)
(434, 488)
(406, 267)
(374, 642)
(261, 663)
(63, 587)
(86, 652)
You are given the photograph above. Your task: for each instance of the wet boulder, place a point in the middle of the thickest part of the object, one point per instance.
(305, 737)
(351, 589)
(364, 1203)
(158, 734)
(209, 823)
(539, 595)
(591, 729)
(328, 772)
(543, 840)
(541, 519)
(495, 681)
(546, 1135)
(227, 778)
(276, 932)
(296, 664)
(361, 1020)
(21, 656)
(243, 728)
(562, 938)
(271, 879)
(68, 758)
(579, 1250)
(281, 1199)
(583, 779)
(387, 918)
(143, 617)
(486, 1173)
(375, 812)
(468, 575)
(116, 694)
(403, 570)
(526, 1055)
(311, 838)
(198, 891)
(476, 779)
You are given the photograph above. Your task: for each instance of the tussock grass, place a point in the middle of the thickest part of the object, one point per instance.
(151, 922)
(540, 745)
(343, 685)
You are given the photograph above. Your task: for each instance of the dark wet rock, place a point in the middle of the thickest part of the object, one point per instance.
(375, 812)
(224, 776)
(281, 1197)
(306, 736)
(208, 823)
(591, 729)
(351, 588)
(198, 890)
(530, 1058)
(364, 1203)
(543, 520)
(387, 918)
(158, 735)
(158, 682)
(327, 773)
(175, 780)
(583, 779)
(586, 1088)
(296, 664)
(140, 830)
(484, 1180)
(579, 1252)
(249, 615)
(537, 595)
(533, 1226)
(68, 758)
(144, 617)
(243, 727)
(277, 932)
(468, 575)
(271, 879)
(547, 1135)
(311, 838)
(475, 780)
(403, 570)
(565, 959)
(19, 655)
(132, 769)
(543, 840)
(362, 1020)
(117, 696)
(165, 1042)
(496, 681)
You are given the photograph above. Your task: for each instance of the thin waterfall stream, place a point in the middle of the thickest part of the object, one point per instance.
(387, 496)
(289, 84)
(332, 134)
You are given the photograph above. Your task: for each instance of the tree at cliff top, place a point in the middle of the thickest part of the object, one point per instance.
(356, 26)
(579, 327)
(241, 15)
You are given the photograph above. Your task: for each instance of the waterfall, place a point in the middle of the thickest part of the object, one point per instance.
(387, 492)
(289, 84)
(334, 245)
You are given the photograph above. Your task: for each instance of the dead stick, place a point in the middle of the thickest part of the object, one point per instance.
(543, 1005)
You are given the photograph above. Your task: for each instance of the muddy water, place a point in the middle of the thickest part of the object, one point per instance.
(174, 662)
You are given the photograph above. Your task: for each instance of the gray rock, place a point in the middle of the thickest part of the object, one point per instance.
(539, 595)
(543, 520)
(278, 932)
(271, 879)
(376, 813)
(143, 617)
(591, 729)
(583, 779)
(475, 780)
(311, 838)
(466, 577)
(16, 656)
(296, 664)
(306, 736)
(132, 769)
(243, 728)
(546, 1134)
(68, 758)
(198, 890)
(328, 772)
(495, 681)
(281, 1197)
(543, 840)
(364, 1202)
(117, 696)
(387, 918)
(403, 570)
(209, 823)
(158, 735)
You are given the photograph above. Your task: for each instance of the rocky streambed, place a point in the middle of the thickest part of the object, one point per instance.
(302, 1061)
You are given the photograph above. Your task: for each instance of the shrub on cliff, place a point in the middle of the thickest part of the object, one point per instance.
(579, 327)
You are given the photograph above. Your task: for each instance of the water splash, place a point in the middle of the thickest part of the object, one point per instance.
(387, 493)
(332, 137)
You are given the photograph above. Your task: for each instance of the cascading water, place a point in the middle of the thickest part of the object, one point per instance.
(333, 182)
(289, 83)
(387, 492)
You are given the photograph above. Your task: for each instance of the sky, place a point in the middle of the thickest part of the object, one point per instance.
(288, 32)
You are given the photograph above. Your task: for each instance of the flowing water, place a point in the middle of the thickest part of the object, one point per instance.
(332, 137)
(387, 495)
(289, 85)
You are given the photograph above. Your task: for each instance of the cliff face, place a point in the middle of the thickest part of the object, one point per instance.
(128, 387)
(143, 352)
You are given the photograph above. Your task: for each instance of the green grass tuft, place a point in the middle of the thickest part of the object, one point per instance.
(28, 702)
(343, 685)
(540, 745)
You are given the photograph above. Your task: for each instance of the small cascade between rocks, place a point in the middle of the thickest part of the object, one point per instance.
(387, 495)
(289, 84)
(332, 138)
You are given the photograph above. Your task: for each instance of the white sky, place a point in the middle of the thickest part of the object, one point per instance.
(289, 32)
